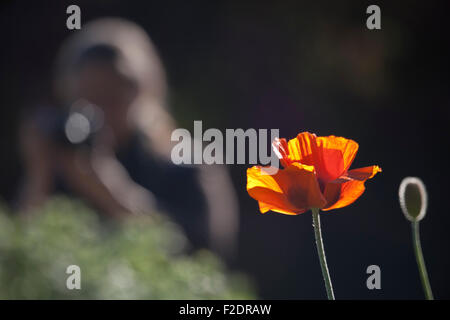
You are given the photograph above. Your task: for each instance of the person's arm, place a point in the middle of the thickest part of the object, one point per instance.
(76, 169)
(223, 209)
(99, 179)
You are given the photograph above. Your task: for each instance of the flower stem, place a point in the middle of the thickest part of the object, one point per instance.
(420, 261)
(321, 252)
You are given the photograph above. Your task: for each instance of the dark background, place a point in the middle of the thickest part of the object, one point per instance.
(294, 66)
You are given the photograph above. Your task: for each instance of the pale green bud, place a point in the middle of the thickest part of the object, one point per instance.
(413, 198)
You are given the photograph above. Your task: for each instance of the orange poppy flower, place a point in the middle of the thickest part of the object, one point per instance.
(316, 175)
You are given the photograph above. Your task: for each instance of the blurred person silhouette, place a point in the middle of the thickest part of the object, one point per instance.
(110, 143)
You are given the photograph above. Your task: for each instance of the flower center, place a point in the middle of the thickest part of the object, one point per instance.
(298, 197)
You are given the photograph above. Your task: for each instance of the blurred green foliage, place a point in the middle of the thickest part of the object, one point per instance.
(141, 258)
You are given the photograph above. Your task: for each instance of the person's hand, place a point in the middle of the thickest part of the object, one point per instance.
(99, 178)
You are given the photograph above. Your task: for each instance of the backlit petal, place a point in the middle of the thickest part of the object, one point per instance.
(302, 147)
(265, 189)
(349, 187)
(264, 207)
(363, 173)
(299, 182)
(331, 156)
(281, 149)
(292, 190)
(347, 147)
(340, 195)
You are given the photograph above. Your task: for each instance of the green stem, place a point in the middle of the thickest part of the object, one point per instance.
(321, 252)
(420, 260)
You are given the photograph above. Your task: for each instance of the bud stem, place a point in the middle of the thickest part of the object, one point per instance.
(420, 261)
(321, 252)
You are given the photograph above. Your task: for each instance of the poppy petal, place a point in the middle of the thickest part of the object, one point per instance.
(281, 149)
(363, 173)
(292, 190)
(335, 155)
(346, 189)
(265, 189)
(264, 207)
(302, 147)
(299, 183)
(331, 156)
(340, 195)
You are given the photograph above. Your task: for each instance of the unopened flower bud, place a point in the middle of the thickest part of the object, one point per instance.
(413, 198)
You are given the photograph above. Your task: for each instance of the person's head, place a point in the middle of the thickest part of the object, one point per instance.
(101, 77)
(113, 64)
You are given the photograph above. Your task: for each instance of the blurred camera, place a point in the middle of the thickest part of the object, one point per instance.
(70, 127)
